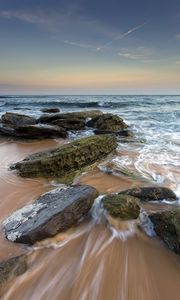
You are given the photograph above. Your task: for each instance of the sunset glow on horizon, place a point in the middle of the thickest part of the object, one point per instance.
(83, 47)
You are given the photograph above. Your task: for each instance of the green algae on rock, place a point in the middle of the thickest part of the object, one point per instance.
(67, 158)
(12, 267)
(167, 227)
(151, 193)
(122, 206)
(108, 122)
(70, 124)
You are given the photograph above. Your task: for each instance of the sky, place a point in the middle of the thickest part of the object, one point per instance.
(89, 47)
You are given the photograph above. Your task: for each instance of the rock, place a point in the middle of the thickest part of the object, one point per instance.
(70, 124)
(83, 115)
(121, 133)
(41, 131)
(151, 193)
(12, 267)
(122, 206)
(108, 122)
(14, 119)
(67, 158)
(50, 214)
(167, 227)
(36, 131)
(50, 110)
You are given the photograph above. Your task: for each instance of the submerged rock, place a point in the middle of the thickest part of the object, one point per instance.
(50, 214)
(83, 115)
(109, 122)
(70, 124)
(122, 206)
(151, 193)
(14, 119)
(36, 131)
(50, 110)
(12, 267)
(67, 158)
(167, 227)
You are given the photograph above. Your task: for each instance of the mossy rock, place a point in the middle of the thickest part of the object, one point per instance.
(70, 124)
(12, 267)
(82, 115)
(14, 119)
(107, 122)
(68, 158)
(151, 193)
(167, 227)
(122, 206)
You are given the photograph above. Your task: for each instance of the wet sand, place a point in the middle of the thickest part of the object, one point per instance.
(87, 262)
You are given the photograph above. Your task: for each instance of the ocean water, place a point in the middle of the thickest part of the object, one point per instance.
(79, 264)
(155, 120)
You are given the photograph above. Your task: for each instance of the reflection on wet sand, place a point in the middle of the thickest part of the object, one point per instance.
(96, 265)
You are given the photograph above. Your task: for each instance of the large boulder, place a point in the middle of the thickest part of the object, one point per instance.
(83, 115)
(12, 267)
(50, 214)
(151, 193)
(122, 206)
(167, 227)
(50, 110)
(36, 131)
(70, 124)
(107, 122)
(67, 158)
(14, 119)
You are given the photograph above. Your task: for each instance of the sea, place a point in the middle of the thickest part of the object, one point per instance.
(155, 121)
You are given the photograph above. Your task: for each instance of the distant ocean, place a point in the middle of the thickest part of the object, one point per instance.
(154, 119)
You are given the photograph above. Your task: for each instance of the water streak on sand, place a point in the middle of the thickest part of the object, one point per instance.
(97, 260)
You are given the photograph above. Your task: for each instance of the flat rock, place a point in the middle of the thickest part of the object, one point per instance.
(108, 122)
(70, 124)
(12, 267)
(83, 115)
(67, 158)
(167, 227)
(151, 193)
(50, 110)
(122, 206)
(36, 131)
(14, 119)
(50, 214)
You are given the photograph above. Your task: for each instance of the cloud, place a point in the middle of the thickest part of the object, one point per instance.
(178, 62)
(139, 53)
(81, 45)
(23, 16)
(178, 36)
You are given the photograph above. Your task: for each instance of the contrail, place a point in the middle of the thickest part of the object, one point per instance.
(123, 35)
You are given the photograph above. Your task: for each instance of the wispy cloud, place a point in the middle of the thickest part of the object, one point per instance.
(178, 62)
(139, 53)
(81, 45)
(178, 36)
(23, 16)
